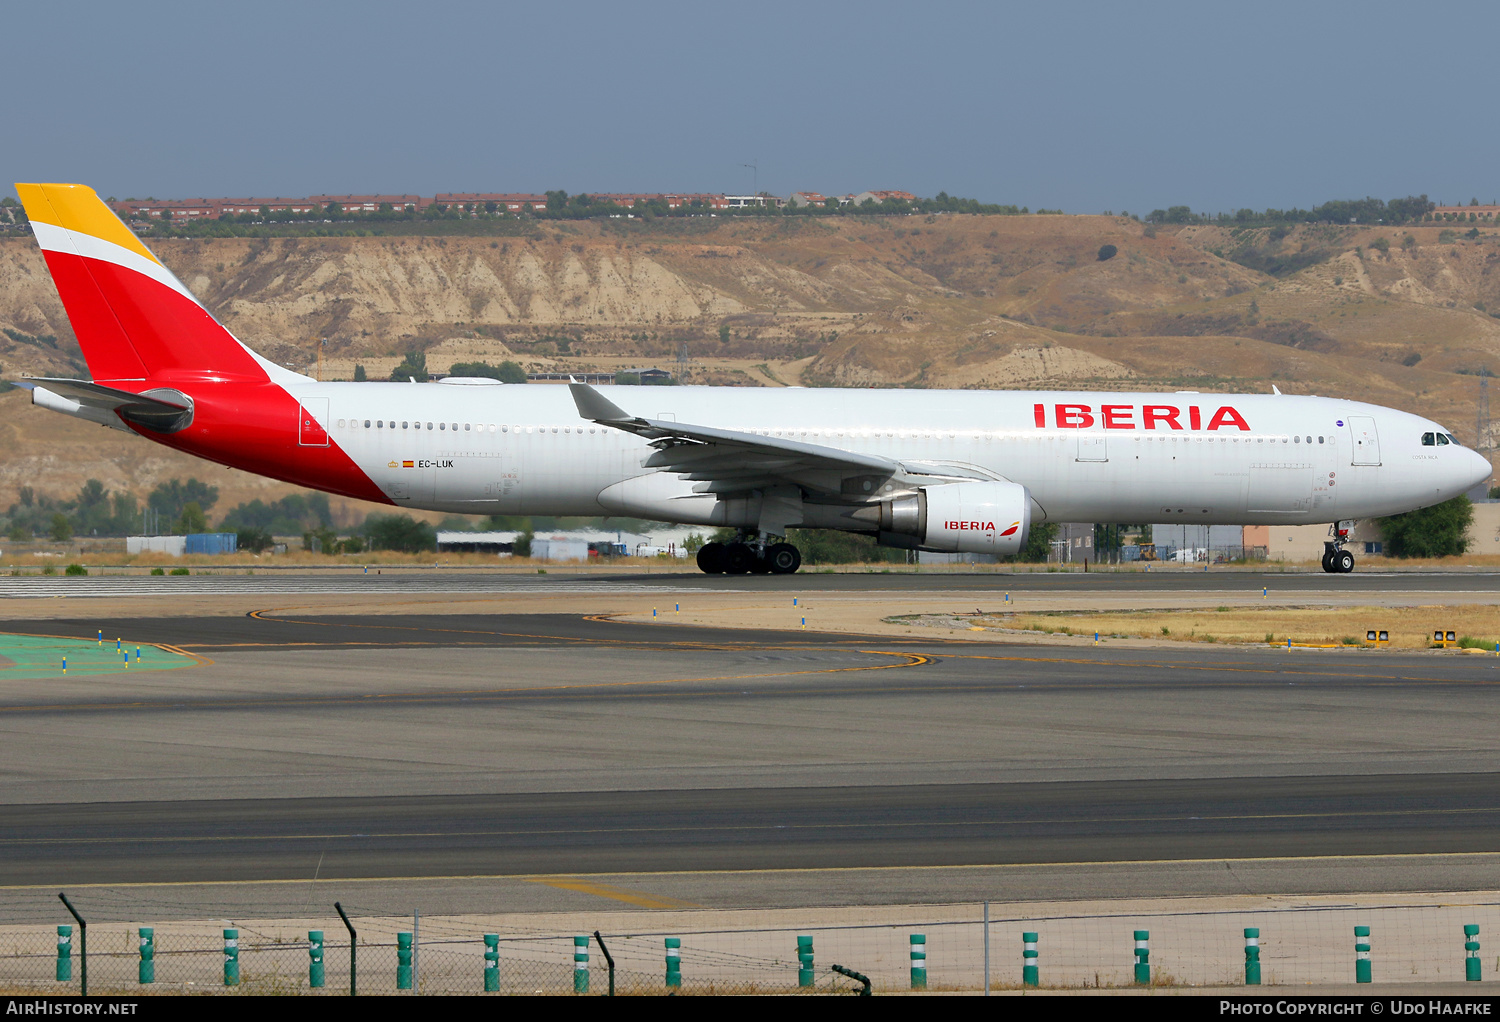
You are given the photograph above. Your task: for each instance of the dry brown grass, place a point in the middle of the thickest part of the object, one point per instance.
(1409, 627)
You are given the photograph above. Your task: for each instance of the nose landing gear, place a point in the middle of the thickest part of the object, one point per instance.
(749, 556)
(1337, 560)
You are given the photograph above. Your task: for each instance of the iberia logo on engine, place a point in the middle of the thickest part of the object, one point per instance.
(968, 526)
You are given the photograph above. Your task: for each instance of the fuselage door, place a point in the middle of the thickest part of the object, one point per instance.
(1365, 446)
(311, 415)
(1092, 448)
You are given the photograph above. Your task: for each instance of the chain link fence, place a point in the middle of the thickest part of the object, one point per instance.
(937, 948)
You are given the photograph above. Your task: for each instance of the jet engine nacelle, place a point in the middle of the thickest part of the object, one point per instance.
(974, 518)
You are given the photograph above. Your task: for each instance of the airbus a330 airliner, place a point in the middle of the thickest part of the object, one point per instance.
(963, 471)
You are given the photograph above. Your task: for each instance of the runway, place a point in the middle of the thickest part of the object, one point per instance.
(409, 749)
(412, 582)
(749, 829)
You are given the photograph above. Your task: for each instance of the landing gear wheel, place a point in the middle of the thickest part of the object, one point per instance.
(711, 558)
(783, 558)
(1344, 561)
(1328, 565)
(739, 559)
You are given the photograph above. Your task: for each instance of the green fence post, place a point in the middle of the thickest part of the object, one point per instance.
(491, 962)
(315, 959)
(231, 958)
(919, 961)
(1252, 956)
(403, 961)
(804, 961)
(581, 965)
(1361, 954)
(1471, 952)
(674, 961)
(1143, 957)
(146, 973)
(1030, 974)
(64, 953)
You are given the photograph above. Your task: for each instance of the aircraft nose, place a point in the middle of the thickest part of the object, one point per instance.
(1477, 469)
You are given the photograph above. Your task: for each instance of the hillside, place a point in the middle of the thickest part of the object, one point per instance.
(939, 301)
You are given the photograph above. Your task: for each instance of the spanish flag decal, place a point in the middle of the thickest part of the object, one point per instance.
(408, 464)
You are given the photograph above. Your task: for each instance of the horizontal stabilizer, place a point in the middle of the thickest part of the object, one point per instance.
(163, 411)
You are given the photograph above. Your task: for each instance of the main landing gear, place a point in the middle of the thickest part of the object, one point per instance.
(749, 557)
(1337, 560)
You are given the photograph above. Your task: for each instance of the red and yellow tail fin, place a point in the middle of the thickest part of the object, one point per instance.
(133, 318)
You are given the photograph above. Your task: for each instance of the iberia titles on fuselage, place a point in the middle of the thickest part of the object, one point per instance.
(941, 470)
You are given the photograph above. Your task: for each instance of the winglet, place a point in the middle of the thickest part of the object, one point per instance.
(595, 406)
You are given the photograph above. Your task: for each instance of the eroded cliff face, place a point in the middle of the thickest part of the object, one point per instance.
(620, 290)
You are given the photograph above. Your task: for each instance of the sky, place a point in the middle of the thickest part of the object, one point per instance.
(1085, 107)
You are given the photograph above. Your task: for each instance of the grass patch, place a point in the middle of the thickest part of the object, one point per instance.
(1409, 627)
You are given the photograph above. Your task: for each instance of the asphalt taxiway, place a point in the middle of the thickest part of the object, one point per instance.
(404, 752)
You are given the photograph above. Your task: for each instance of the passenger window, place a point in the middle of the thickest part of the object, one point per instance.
(1442, 440)
(1428, 439)
(379, 423)
(466, 426)
(429, 425)
(455, 427)
(1320, 440)
(367, 424)
(1296, 439)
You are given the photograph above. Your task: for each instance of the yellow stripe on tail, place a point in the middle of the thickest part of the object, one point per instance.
(78, 208)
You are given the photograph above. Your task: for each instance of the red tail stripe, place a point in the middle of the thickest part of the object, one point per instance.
(105, 345)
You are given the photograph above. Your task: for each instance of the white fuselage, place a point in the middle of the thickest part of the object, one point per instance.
(1090, 457)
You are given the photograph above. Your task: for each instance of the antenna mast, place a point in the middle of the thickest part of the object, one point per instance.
(1482, 424)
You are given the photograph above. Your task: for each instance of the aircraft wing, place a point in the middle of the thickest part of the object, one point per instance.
(104, 405)
(724, 461)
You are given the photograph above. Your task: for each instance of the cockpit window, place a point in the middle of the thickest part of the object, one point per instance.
(1452, 439)
(1442, 440)
(1428, 439)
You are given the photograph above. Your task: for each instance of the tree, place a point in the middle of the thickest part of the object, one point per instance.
(359, 373)
(60, 530)
(1107, 252)
(192, 519)
(399, 532)
(1436, 531)
(171, 497)
(413, 367)
(723, 333)
(254, 540)
(1039, 542)
(521, 546)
